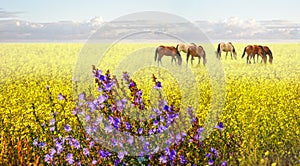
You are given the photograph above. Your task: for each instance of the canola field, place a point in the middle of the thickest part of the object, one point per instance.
(259, 123)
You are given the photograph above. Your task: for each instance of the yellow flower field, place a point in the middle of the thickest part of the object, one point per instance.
(261, 115)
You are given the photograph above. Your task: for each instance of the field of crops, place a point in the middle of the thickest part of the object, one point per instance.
(259, 123)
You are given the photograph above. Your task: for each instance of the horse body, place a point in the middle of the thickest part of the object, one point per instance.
(196, 51)
(184, 47)
(252, 50)
(226, 47)
(167, 51)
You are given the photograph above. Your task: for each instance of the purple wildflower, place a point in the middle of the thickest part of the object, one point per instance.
(158, 85)
(182, 159)
(163, 159)
(48, 158)
(220, 126)
(210, 162)
(81, 96)
(67, 128)
(214, 151)
(74, 112)
(117, 162)
(76, 144)
(69, 158)
(52, 151)
(111, 120)
(102, 99)
(224, 163)
(86, 152)
(139, 93)
(140, 131)
(121, 155)
(128, 126)
(92, 144)
(130, 139)
(87, 118)
(60, 97)
(108, 129)
(52, 121)
(173, 155)
(167, 151)
(94, 162)
(42, 144)
(35, 142)
(102, 153)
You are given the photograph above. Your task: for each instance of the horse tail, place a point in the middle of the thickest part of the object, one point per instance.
(244, 52)
(177, 48)
(218, 50)
(204, 57)
(156, 51)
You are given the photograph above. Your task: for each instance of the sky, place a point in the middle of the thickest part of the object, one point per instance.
(76, 20)
(79, 10)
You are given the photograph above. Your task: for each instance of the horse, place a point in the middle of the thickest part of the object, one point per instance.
(184, 47)
(167, 51)
(268, 52)
(252, 50)
(196, 51)
(226, 47)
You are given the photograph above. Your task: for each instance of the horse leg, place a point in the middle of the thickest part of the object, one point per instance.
(199, 60)
(226, 55)
(187, 59)
(231, 55)
(192, 60)
(248, 59)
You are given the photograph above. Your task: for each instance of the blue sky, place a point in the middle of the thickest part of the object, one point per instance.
(79, 10)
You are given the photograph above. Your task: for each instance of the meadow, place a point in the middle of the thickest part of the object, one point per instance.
(260, 115)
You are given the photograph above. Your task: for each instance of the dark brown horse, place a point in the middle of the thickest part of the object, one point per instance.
(196, 51)
(167, 51)
(252, 50)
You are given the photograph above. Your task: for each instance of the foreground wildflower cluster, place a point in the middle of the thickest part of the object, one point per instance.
(107, 133)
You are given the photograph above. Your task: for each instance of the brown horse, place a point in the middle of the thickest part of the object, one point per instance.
(252, 50)
(196, 51)
(167, 51)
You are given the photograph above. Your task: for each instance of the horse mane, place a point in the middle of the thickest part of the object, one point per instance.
(233, 49)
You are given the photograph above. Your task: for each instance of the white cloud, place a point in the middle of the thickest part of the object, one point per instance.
(231, 28)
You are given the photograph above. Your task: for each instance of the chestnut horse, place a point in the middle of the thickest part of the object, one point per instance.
(226, 47)
(167, 51)
(196, 51)
(252, 50)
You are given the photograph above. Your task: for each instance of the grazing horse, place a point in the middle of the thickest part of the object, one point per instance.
(167, 51)
(252, 50)
(196, 51)
(226, 47)
(268, 52)
(184, 47)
